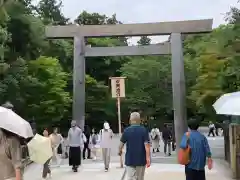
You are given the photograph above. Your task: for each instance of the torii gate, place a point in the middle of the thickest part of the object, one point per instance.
(174, 29)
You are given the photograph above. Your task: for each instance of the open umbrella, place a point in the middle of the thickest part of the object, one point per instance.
(40, 149)
(12, 122)
(228, 104)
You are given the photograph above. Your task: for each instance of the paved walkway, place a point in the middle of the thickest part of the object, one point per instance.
(162, 167)
(95, 170)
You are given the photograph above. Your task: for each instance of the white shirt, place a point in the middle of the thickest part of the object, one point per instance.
(106, 138)
(155, 132)
(211, 126)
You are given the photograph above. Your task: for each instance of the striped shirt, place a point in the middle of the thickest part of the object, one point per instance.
(199, 149)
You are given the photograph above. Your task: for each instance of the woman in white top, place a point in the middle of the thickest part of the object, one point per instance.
(106, 136)
(155, 137)
(57, 141)
(93, 144)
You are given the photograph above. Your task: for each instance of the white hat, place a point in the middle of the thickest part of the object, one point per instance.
(106, 125)
(135, 116)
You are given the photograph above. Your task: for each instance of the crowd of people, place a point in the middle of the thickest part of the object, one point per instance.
(77, 145)
(136, 138)
(166, 136)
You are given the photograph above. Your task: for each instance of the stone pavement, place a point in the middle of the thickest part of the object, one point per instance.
(162, 167)
(93, 170)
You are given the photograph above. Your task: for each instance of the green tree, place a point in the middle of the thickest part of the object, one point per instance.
(148, 84)
(50, 12)
(144, 40)
(46, 96)
(27, 33)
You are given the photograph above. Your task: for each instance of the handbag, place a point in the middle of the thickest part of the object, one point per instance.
(59, 149)
(184, 154)
(65, 155)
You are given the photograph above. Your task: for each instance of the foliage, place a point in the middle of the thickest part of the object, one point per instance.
(144, 40)
(48, 81)
(148, 83)
(36, 74)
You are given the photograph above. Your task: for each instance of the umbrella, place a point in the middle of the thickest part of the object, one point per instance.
(228, 104)
(12, 122)
(40, 149)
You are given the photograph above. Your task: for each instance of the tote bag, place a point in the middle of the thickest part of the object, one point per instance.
(184, 154)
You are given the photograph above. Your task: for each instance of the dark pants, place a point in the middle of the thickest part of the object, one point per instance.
(86, 148)
(211, 131)
(192, 174)
(46, 169)
(173, 145)
(167, 146)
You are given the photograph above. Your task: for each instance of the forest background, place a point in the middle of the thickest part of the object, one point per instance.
(36, 73)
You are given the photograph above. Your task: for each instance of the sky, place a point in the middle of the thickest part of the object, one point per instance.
(143, 11)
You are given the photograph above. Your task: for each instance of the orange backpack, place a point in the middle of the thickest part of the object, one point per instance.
(184, 154)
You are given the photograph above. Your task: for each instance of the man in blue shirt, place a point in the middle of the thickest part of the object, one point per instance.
(200, 151)
(137, 157)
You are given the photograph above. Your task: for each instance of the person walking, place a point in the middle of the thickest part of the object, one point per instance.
(46, 169)
(11, 167)
(106, 135)
(167, 137)
(75, 140)
(137, 141)
(87, 144)
(199, 152)
(155, 137)
(218, 128)
(57, 141)
(211, 129)
(94, 140)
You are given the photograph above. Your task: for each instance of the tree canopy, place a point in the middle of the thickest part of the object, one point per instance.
(36, 73)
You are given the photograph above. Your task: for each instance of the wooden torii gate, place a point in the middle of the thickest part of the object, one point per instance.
(174, 29)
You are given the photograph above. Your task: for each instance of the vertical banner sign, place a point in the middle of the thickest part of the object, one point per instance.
(118, 87)
(118, 92)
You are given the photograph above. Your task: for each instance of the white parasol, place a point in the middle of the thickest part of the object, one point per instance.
(12, 122)
(228, 104)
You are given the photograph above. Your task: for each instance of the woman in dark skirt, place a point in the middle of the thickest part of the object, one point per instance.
(75, 137)
(74, 157)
